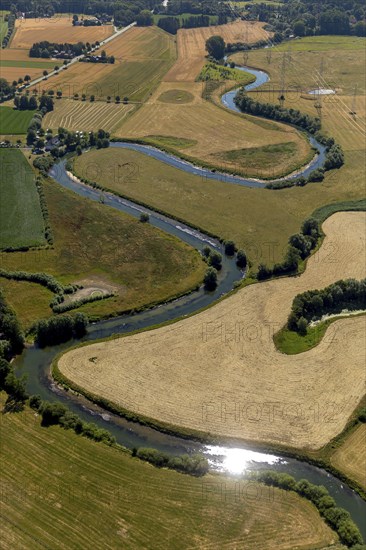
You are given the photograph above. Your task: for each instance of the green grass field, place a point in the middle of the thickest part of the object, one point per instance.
(3, 28)
(291, 343)
(28, 64)
(212, 71)
(332, 61)
(324, 43)
(258, 220)
(148, 61)
(265, 156)
(98, 244)
(14, 122)
(61, 490)
(135, 79)
(21, 221)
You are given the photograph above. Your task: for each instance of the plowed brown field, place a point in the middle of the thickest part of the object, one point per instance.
(220, 372)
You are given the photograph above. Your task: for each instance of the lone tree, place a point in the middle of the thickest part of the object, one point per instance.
(210, 279)
(241, 259)
(215, 46)
(229, 248)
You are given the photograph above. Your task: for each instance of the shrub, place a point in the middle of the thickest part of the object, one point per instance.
(241, 259)
(230, 248)
(35, 402)
(195, 465)
(215, 260)
(264, 272)
(210, 279)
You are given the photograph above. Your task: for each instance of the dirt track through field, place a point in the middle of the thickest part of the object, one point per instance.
(220, 372)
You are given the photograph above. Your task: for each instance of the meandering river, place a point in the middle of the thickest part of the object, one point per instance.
(232, 461)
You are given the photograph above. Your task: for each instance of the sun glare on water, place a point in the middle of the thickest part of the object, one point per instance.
(236, 461)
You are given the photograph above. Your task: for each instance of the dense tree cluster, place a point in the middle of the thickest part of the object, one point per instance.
(207, 7)
(56, 330)
(172, 24)
(215, 47)
(144, 19)
(276, 112)
(56, 413)
(65, 50)
(195, 465)
(25, 102)
(10, 18)
(232, 47)
(311, 17)
(337, 518)
(313, 304)
(15, 387)
(11, 336)
(300, 247)
(6, 90)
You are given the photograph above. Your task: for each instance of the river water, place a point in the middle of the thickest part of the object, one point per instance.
(233, 461)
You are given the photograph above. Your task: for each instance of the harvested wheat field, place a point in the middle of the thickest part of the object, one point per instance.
(222, 131)
(79, 78)
(191, 45)
(336, 112)
(56, 29)
(133, 501)
(16, 63)
(151, 53)
(351, 458)
(220, 372)
(87, 116)
(139, 43)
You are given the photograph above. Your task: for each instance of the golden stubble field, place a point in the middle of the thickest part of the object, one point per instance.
(14, 63)
(55, 474)
(215, 130)
(191, 46)
(219, 371)
(351, 457)
(142, 56)
(87, 116)
(56, 29)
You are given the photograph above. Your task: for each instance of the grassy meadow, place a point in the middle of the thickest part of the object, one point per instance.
(92, 241)
(258, 220)
(329, 61)
(3, 25)
(60, 490)
(21, 221)
(13, 121)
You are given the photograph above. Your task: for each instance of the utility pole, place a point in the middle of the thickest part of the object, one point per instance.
(319, 104)
(281, 97)
(353, 110)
